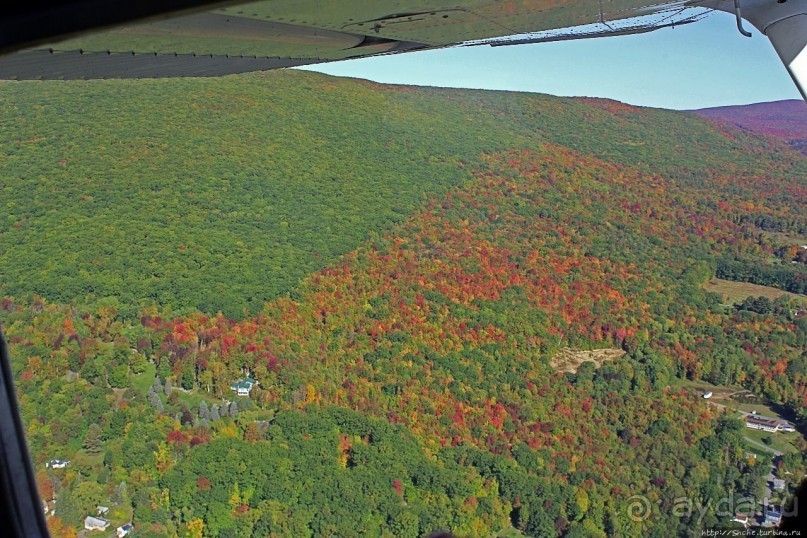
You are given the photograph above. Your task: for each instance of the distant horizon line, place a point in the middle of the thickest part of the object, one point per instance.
(313, 69)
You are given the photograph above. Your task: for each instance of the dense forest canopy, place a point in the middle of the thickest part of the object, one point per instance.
(397, 268)
(221, 194)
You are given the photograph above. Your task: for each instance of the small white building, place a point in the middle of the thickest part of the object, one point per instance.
(778, 484)
(124, 530)
(102, 510)
(57, 464)
(707, 395)
(95, 523)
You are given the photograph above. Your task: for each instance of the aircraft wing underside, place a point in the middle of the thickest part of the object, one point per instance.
(268, 34)
(282, 33)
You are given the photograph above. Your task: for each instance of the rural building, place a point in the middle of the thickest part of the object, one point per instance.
(757, 422)
(57, 464)
(124, 530)
(243, 387)
(786, 427)
(773, 516)
(102, 510)
(741, 518)
(707, 395)
(778, 484)
(95, 523)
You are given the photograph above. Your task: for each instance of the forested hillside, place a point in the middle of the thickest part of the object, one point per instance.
(413, 262)
(786, 120)
(220, 194)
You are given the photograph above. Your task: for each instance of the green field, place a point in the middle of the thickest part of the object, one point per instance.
(784, 442)
(735, 292)
(141, 382)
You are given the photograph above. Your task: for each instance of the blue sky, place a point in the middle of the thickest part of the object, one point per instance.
(704, 64)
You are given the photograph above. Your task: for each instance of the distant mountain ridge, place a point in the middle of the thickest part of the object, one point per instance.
(781, 119)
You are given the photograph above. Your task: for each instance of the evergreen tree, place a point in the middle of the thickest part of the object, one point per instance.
(92, 442)
(214, 412)
(187, 380)
(233, 409)
(155, 401)
(204, 411)
(168, 387)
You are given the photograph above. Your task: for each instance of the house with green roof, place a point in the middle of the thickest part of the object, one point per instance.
(243, 386)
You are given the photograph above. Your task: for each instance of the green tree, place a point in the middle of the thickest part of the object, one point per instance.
(92, 441)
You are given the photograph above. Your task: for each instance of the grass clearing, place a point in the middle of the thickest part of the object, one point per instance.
(735, 292)
(142, 382)
(783, 442)
(760, 408)
(720, 393)
(786, 237)
(194, 398)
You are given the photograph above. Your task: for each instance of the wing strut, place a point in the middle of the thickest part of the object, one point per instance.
(789, 38)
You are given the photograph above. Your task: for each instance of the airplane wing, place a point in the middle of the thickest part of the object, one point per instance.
(232, 38)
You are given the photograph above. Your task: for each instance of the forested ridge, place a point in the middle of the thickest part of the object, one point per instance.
(220, 194)
(440, 247)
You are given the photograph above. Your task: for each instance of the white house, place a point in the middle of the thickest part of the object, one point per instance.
(57, 464)
(95, 523)
(124, 530)
(102, 510)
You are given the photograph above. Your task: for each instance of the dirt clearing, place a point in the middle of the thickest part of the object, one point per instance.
(569, 360)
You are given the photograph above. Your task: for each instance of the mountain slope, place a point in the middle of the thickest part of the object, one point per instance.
(220, 194)
(411, 384)
(786, 120)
